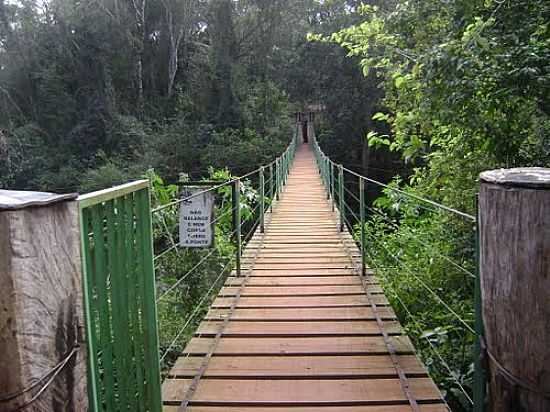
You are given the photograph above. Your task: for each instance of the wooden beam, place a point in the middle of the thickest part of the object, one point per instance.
(514, 207)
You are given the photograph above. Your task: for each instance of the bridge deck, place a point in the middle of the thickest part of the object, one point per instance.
(300, 331)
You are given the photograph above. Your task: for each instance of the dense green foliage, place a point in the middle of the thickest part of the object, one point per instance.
(466, 88)
(425, 259)
(94, 93)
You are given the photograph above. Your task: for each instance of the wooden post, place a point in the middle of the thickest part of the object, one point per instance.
(41, 303)
(514, 208)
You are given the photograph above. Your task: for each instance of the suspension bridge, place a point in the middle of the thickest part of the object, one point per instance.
(283, 313)
(300, 328)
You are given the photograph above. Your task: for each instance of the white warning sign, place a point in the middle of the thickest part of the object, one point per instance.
(196, 219)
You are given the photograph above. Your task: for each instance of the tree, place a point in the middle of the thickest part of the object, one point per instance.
(224, 106)
(182, 20)
(466, 86)
(137, 36)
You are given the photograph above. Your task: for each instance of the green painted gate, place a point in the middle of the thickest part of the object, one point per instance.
(119, 299)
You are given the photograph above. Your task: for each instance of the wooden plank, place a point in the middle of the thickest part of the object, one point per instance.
(326, 290)
(306, 265)
(331, 233)
(275, 227)
(297, 328)
(365, 345)
(365, 408)
(302, 220)
(300, 243)
(299, 301)
(329, 223)
(310, 392)
(301, 260)
(326, 214)
(373, 286)
(303, 314)
(298, 366)
(277, 254)
(300, 272)
(303, 200)
(306, 280)
(293, 253)
(296, 290)
(303, 248)
(297, 235)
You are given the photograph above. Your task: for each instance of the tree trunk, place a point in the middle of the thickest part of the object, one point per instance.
(138, 44)
(365, 156)
(41, 302)
(139, 83)
(515, 286)
(179, 28)
(172, 62)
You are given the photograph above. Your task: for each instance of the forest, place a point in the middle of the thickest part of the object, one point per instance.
(421, 95)
(94, 93)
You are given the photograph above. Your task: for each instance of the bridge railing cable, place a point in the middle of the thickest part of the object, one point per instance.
(424, 253)
(188, 279)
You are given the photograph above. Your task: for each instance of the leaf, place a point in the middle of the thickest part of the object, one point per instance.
(381, 116)
(376, 140)
(399, 81)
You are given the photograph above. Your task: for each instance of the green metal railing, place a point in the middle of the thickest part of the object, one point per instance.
(119, 299)
(188, 280)
(460, 324)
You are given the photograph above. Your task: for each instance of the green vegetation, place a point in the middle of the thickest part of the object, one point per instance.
(467, 87)
(96, 93)
(187, 279)
(425, 259)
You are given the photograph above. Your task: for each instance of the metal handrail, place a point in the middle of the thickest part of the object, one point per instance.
(102, 196)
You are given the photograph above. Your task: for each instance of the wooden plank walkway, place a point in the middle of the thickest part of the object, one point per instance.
(300, 331)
